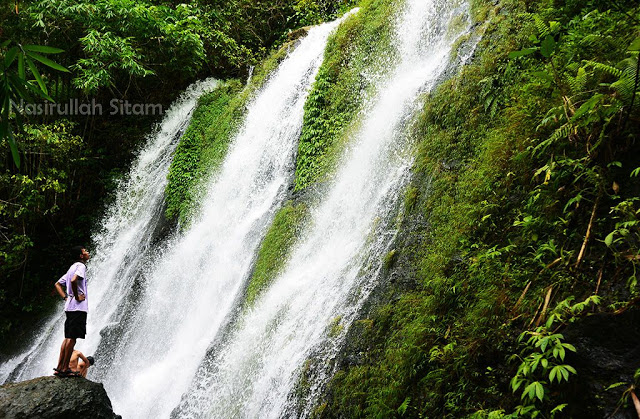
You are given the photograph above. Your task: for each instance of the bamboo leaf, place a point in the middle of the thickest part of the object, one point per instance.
(38, 77)
(47, 62)
(11, 55)
(21, 73)
(43, 49)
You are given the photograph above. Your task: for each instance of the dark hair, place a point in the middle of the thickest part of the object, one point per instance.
(75, 252)
(91, 360)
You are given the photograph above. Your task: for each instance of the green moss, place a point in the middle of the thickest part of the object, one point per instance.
(201, 148)
(331, 110)
(336, 327)
(389, 259)
(275, 248)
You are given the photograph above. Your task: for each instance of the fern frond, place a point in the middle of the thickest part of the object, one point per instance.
(559, 134)
(591, 40)
(562, 132)
(578, 84)
(552, 116)
(605, 68)
(624, 87)
(541, 26)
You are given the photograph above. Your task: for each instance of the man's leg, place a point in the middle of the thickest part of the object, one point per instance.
(61, 357)
(69, 344)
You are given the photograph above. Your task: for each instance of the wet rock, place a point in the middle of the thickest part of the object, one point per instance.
(55, 398)
(608, 352)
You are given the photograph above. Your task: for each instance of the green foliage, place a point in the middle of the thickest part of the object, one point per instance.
(543, 362)
(29, 198)
(340, 87)
(16, 86)
(202, 148)
(114, 38)
(274, 248)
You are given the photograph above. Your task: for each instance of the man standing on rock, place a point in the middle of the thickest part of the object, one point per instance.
(72, 287)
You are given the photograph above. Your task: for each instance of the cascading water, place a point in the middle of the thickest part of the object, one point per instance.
(255, 371)
(122, 242)
(189, 290)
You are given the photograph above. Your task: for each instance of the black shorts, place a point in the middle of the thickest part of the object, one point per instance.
(75, 327)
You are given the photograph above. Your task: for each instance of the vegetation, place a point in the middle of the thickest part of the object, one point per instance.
(275, 247)
(521, 219)
(527, 177)
(202, 148)
(340, 87)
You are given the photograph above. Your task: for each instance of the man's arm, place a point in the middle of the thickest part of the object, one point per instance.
(61, 291)
(74, 287)
(84, 366)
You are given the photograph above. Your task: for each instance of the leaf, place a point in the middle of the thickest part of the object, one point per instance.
(48, 62)
(43, 49)
(21, 73)
(403, 407)
(521, 53)
(11, 55)
(548, 46)
(615, 385)
(559, 408)
(14, 149)
(609, 239)
(539, 390)
(635, 45)
(38, 77)
(587, 106)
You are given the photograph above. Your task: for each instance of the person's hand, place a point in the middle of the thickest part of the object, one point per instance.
(80, 297)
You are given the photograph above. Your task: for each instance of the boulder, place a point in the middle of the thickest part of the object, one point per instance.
(55, 398)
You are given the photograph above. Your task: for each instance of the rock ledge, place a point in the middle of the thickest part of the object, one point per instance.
(55, 398)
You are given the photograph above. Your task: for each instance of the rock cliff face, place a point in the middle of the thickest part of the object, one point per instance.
(55, 398)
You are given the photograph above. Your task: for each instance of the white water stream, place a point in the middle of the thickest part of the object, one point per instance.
(331, 271)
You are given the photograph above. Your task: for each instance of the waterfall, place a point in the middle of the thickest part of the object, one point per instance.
(254, 372)
(189, 290)
(122, 241)
(161, 314)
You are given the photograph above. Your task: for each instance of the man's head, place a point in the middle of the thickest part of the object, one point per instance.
(79, 254)
(91, 360)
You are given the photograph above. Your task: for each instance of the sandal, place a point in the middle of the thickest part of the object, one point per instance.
(61, 374)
